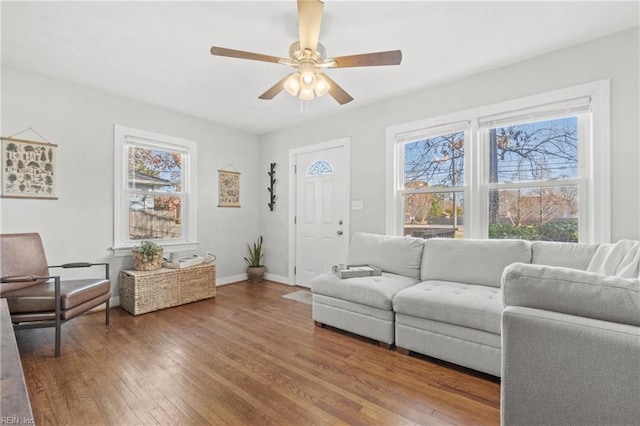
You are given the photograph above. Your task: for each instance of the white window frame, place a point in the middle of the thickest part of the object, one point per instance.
(594, 161)
(121, 243)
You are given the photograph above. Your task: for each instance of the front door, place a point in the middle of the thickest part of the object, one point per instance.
(321, 222)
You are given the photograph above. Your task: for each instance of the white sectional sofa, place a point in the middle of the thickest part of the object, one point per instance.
(571, 341)
(365, 305)
(438, 297)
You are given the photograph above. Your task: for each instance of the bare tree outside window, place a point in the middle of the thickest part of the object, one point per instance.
(543, 152)
(434, 172)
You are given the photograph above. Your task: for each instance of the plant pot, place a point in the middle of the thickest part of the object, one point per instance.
(255, 274)
(150, 265)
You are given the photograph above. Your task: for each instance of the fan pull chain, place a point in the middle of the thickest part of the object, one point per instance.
(304, 107)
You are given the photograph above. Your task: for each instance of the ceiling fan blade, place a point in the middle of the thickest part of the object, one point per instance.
(337, 92)
(275, 89)
(309, 21)
(392, 57)
(232, 53)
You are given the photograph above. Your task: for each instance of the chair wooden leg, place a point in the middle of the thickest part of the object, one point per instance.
(107, 314)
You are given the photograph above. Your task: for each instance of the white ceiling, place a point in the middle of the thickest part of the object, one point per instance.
(158, 52)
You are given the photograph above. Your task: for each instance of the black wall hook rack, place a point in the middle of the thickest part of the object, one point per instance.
(271, 188)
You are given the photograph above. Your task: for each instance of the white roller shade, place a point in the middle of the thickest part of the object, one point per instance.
(538, 113)
(430, 132)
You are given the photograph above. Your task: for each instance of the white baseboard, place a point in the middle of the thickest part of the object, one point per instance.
(277, 278)
(230, 280)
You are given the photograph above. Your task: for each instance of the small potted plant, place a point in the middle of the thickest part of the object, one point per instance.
(255, 270)
(147, 256)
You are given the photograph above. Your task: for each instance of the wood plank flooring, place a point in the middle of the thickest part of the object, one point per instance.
(249, 356)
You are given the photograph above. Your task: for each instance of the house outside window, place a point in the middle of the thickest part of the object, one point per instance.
(155, 183)
(535, 168)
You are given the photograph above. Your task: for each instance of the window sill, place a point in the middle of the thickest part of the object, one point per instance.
(168, 248)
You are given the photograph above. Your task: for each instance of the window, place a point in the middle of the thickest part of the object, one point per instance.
(535, 168)
(534, 184)
(155, 182)
(320, 167)
(433, 183)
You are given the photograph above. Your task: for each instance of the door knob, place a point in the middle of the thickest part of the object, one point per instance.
(339, 232)
(340, 222)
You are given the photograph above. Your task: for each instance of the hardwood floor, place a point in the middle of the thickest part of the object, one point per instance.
(249, 356)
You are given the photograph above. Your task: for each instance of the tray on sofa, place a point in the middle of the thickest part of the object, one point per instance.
(353, 271)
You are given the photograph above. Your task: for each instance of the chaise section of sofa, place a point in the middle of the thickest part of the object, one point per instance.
(364, 305)
(571, 344)
(454, 313)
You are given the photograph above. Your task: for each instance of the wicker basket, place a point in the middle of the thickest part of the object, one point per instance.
(147, 291)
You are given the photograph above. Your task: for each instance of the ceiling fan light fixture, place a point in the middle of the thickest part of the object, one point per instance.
(322, 85)
(307, 76)
(306, 94)
(292, 85)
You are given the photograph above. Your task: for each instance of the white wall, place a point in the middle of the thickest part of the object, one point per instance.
(79, 225)
(615, 57)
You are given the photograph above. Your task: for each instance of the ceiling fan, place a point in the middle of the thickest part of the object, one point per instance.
(308, 57)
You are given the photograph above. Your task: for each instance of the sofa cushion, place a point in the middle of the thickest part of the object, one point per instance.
(471, 261)
(567, 255)
(573, 292)
(375, 291)
(398, 255)
(621, 259)
(473, 306)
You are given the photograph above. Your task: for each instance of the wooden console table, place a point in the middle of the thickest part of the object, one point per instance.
(146, 291)
(15, 407)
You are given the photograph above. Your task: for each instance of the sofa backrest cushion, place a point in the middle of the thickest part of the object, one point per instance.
(566, 255)
(479, 262)
(398, 255)
(621, 259)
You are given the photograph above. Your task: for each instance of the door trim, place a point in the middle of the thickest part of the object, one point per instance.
(293, 191)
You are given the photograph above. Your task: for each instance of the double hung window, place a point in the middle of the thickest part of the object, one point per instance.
(534, 168)
(433, 181)
(154, 189)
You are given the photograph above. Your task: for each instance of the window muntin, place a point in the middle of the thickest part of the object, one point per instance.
(319, 168)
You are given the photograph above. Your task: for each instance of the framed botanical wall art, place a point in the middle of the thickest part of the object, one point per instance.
(228, 188)
(28, 169)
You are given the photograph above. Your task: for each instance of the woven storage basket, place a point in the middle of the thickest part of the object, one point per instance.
(197, 283)
(147, 291)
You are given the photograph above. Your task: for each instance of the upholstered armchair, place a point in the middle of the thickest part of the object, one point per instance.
(571, 345)
(38, 299)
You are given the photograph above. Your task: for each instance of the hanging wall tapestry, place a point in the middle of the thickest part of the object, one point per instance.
(28, 169)
(228, 188)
